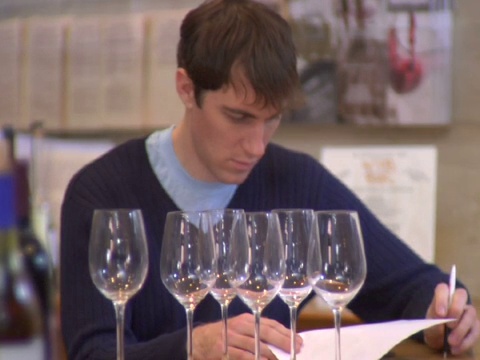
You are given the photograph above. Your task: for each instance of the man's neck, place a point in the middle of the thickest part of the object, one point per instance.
(186, 154)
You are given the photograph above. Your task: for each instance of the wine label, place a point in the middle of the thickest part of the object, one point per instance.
(7, 202)
(22, 350)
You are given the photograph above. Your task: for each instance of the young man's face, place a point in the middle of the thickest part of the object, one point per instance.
(230, 133)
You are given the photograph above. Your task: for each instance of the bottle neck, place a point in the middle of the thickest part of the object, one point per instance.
(22, 195)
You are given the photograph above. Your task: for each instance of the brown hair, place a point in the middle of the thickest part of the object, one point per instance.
(220, 35)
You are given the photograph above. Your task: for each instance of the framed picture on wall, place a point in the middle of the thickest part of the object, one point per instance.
(398, 183)
(372, 62)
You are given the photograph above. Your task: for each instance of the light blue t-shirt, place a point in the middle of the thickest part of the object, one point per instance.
(187, 192)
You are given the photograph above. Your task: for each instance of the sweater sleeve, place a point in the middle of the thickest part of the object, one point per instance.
(399, 283)
(87, 317)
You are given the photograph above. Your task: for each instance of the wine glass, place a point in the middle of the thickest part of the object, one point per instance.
(188, 261)
(336, 264)
(118, 259)
(295, 226)
(227, 224)
(258, 270)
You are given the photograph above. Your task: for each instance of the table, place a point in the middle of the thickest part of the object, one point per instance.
(317, 315)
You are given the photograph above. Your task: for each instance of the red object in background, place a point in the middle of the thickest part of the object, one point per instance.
(405, 72)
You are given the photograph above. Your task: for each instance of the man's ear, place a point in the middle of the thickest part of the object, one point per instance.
(185, 88)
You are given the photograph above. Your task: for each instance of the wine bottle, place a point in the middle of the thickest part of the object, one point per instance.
(36, 258)
(20, 317)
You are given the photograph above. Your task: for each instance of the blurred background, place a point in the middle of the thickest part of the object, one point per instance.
(78, 77)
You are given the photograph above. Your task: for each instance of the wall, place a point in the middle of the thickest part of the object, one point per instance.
(458, 183)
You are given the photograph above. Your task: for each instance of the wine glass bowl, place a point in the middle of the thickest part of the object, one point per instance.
(335, 292)
(258, 270)
(118, 259)
(336, 264)
(188, 261)
(295, 226)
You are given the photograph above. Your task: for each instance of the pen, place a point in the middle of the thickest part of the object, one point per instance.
(451, 291)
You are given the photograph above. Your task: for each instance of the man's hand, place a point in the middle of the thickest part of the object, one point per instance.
(465, 330)
(208, 339)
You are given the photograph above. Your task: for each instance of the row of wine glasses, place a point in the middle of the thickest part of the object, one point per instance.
(228, 253)
(243, 256)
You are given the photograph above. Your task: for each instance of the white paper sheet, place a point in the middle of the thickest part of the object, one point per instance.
(359, 342)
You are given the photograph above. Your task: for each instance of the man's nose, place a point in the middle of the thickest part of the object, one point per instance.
(255, 142)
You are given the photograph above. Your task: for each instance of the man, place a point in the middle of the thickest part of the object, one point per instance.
(236, 75)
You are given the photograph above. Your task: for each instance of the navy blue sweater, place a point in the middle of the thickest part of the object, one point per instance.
(398, 284)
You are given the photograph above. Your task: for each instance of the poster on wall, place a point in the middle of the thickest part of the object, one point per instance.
(373, 62)
(397, 183)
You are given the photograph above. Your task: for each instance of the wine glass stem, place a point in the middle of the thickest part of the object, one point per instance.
(337, 311)
(120, 318)
(293, 331)
(224, 309)
(189, 313)
(257, 334)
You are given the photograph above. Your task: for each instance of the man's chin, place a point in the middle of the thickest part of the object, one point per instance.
(234, 179)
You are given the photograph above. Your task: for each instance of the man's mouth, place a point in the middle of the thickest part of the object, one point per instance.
(244, 165)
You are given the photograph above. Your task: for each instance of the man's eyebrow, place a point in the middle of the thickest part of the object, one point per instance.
(248, 114)
(238, 111)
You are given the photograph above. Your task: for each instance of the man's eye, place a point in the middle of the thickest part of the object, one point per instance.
(275, 119)
(237, 117)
